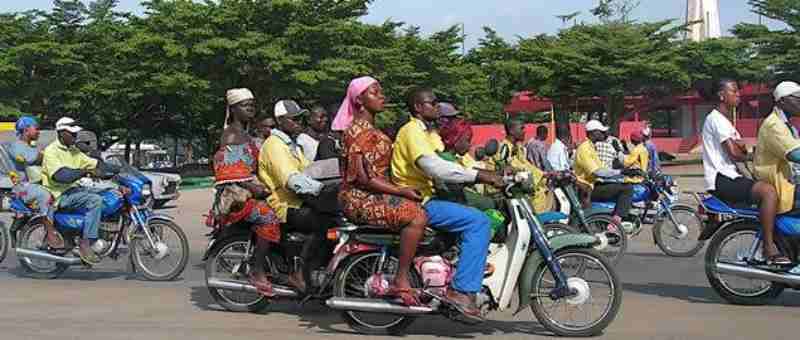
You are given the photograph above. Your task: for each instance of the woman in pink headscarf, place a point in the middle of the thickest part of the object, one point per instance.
(367, 194)
(350, 105)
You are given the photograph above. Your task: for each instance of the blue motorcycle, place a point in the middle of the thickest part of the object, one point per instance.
(734, 263)
(655, 201)
(158, 248)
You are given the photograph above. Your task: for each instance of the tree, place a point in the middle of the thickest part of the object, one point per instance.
(612, 60)
(775, 51)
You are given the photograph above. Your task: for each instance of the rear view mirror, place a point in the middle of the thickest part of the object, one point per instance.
(504, 152)
(491, 148)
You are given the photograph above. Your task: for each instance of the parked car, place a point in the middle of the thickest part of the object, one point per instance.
(165, 187)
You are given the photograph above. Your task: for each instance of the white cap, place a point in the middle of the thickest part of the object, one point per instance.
(784, 89)
(593, 125)
(288, 108)
(235, 96)
(66, 123)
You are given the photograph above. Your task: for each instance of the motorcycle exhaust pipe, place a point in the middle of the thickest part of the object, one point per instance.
(375, 306)
(246, 287)
(755, 273)
(44, 256)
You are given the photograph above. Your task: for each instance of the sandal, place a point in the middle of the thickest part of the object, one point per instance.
(469, 313)
(264, 287)
(778, 260)
(409, 296)
(88, 256)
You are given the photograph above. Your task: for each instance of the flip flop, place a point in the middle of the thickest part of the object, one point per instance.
(91, 258)
(409, 296)
(264, 287)
(465, 316)
(779, 260)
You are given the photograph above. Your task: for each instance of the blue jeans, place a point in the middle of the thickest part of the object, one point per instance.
(474, 227)
(84, 200)
(36, 197)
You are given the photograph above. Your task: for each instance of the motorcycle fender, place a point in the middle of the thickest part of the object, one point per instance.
(597, 211)
(161, 217)
(535, 259)
(215, 241)
(712, 228)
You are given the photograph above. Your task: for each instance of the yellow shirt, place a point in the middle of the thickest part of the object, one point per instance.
(468, 162)
(276, 163)
(57, 156)
(517, 159)
(413, 141)
(586, 163)
(638, 158)
(775, 141)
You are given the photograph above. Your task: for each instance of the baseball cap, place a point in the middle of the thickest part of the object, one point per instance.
(288, 108)
(66, 123)
(593, 125)
(447, 110)
(785, 88)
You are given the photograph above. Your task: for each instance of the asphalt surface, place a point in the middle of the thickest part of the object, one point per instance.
(664, 298)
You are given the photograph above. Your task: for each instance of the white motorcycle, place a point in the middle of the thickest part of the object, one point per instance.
(571, 288)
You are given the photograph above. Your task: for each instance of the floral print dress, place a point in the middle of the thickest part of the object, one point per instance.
(360, 205)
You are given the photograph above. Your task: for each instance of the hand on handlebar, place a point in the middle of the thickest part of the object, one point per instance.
(491, 179)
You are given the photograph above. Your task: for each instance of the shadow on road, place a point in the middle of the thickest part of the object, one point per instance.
(80, 274)
(315, 316)
(700, 294)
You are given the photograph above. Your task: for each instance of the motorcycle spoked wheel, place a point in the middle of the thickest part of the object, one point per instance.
(745, 231)
(34, 237)
(351, 282)
(577, 265)
(223, 260)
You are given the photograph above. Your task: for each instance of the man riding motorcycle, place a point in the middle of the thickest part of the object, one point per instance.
(63, 166)
(301, 202)
(416, 164)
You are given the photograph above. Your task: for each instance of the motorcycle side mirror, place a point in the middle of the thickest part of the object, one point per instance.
(491, 148)
(505, 152)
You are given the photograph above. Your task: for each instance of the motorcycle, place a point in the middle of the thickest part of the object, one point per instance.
(229, 260)
(549, 274)
(655, 201)
(158, 248)
(734, 262)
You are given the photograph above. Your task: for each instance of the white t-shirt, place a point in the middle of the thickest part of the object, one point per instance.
(717, 129)
(558, 156)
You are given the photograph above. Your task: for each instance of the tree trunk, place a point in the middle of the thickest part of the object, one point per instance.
(615, 109)
(128, 151)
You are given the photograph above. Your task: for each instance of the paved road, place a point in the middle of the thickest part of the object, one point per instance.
(665, 298)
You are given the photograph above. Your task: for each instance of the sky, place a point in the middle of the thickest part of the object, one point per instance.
(511, 18)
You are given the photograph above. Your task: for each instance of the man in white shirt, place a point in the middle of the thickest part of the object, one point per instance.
(722, 145)
(558, 154)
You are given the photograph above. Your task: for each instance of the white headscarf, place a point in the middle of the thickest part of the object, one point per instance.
(233, 97)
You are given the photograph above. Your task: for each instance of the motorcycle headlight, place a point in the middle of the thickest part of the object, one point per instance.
(146, 190)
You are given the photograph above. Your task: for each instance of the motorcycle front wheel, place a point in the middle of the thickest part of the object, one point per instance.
(167, 260)
(595, 299)
(679, 240)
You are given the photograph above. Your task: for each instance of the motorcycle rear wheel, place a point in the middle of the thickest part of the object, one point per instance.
(352, 282)
(598, 223)
(241, 302)
(34, 237)
(5, 242)
(764, 294)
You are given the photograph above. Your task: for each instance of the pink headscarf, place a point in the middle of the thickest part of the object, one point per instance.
(345, 115)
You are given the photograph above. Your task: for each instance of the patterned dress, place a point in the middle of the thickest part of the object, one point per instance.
(361, 205)
(235, 164)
